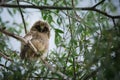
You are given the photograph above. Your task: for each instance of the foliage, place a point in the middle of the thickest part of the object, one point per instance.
(87, 43)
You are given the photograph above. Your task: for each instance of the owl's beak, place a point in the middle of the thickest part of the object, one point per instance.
(42, 27)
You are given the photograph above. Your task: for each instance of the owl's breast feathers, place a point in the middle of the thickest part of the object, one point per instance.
(40, 41)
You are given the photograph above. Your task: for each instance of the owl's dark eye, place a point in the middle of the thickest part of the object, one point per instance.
(38, 28)
(45, 29)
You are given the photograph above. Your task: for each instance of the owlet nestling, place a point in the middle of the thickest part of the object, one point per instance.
(39, 36)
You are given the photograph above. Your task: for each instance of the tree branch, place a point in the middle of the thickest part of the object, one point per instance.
(61, 8)
(22, 17)
(101, 12)
(34, 49)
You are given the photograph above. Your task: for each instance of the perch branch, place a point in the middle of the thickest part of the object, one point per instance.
(13, 35)
(61, 8)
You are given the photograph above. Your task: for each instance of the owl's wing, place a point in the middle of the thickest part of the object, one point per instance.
(25, 48)
(23, 51)
(39, 43)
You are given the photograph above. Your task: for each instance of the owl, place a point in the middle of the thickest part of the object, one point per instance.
(39, 36)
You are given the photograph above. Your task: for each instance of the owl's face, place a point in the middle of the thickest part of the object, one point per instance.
(41, 27)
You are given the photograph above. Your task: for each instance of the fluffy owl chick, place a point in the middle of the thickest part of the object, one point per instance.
(39, 36)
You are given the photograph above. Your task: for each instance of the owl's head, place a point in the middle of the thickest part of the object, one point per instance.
(42, 27)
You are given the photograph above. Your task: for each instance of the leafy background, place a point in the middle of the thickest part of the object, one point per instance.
(85, 44)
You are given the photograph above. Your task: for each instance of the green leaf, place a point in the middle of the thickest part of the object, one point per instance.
(57, 39)
(59, 31)
(59, 20)
(49, 18)
(10, 12)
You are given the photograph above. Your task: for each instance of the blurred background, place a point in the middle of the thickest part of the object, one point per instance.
(84, 42)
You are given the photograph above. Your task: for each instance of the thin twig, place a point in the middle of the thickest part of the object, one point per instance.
(6, 67)
(75, 11)
(69, 53)
(114, 24)
(74, 69)
(98, 3)
(22, 17)
(37, 78)
(61, 8)
(87, 77)
(78, 20)
(5, 56)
